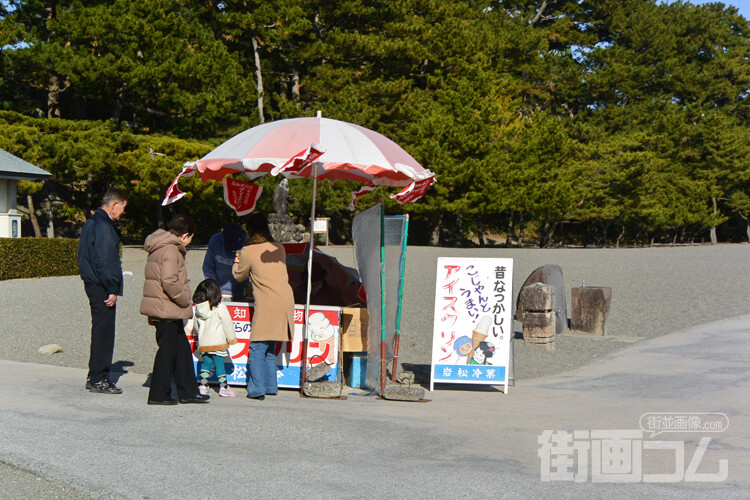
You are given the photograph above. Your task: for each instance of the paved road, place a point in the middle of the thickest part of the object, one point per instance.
(59, 441)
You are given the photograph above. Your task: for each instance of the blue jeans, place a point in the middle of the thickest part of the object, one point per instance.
(261, 369)
(211, 360)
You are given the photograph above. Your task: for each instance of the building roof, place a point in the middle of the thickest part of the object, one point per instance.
(13, 167)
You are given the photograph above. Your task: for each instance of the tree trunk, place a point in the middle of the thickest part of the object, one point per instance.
(89, 187)
(747, 226)
(584, 238)
(480, 231)
(714, 239)
(544, 235)
(620, 236)
(117, 111)
(54, 89)
(539, 13)
(32, 215)
(295, 85)
(259, 77)
(509, 237)
(435, 237)
(160, 216)
(552, 233)
(461, 241)
(50, 10)
(50, 221)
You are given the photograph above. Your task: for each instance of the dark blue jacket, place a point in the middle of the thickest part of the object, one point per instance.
(217, 265)
(99, 253)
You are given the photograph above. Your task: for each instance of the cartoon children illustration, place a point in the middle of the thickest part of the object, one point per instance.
(463, 347)
(482, 353)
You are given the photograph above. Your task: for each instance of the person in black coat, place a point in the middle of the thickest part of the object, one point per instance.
(101, 271)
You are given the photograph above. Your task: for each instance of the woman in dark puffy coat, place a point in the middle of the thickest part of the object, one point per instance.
(167, 302)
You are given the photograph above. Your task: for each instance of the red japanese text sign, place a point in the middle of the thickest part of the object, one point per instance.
(241, 196)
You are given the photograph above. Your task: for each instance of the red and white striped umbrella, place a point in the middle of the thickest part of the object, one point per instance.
(337, 150)
(317, 148)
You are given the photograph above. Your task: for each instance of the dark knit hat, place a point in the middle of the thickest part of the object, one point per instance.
(234, 237)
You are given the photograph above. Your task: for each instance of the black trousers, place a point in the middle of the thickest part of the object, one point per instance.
(102, 333)
(173, 358)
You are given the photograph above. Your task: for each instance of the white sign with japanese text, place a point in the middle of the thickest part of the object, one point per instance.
(320, 225)
(473, 325)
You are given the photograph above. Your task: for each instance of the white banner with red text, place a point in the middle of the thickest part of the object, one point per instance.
(323, 345)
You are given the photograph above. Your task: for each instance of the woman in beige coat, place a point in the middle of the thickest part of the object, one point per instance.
(166, 302)
(264, 262)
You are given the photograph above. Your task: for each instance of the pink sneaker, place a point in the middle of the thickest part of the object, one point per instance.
(203, 389)
(226, 392)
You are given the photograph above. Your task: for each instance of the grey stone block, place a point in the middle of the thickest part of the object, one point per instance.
(317, 372)
(322, 389)
(403, 393)
(406, 377)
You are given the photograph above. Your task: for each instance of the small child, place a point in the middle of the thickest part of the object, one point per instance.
(215, 330)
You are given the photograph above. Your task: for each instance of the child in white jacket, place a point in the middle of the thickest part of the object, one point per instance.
(215, 329)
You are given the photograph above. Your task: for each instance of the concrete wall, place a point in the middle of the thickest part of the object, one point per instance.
(10, 225)
(10, 219)
(8, 196)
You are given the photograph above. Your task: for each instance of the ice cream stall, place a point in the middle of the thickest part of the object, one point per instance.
(333, 329)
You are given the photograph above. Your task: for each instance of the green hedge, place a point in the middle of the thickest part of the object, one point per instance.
(37, 257)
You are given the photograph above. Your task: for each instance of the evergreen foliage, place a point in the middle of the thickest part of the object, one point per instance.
(38, 257)
(551, 122)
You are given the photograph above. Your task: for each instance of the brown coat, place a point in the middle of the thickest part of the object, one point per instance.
(265, 265)
(166, 292)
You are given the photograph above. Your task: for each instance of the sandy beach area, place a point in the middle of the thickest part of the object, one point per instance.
(654, 291)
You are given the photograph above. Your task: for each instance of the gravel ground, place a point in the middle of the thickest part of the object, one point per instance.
(23, 484)
(654, 291)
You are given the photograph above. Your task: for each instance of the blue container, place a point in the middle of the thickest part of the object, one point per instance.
(357, 373)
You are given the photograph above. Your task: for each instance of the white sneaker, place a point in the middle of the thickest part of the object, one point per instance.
(203, 389)
(226, 392)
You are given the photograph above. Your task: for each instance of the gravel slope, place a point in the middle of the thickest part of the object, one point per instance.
(654, 291)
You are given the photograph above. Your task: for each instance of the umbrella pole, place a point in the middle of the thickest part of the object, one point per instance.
(402, 271)
(309, 283)
(382, 301)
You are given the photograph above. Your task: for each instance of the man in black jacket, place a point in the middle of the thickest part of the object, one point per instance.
(101, 272)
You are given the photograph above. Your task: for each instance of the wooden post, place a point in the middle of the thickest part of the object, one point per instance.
(538, 317)
(589, 308)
